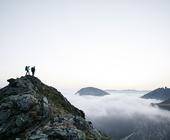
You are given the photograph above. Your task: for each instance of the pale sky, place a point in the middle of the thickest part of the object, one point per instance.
(109, 44)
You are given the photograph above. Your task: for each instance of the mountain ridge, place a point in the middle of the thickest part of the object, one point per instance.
(159, 93)
(31, 110)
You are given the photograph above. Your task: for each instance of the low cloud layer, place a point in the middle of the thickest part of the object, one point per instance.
(122, 115)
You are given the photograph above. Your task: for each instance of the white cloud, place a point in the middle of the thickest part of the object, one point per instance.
(120, 115)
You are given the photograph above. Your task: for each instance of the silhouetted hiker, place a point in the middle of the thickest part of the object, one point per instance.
(27, 68)
(33, 70)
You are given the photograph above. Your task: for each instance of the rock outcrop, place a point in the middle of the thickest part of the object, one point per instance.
(164, 105)
(91, 91)
(159, 94)
(32, 110)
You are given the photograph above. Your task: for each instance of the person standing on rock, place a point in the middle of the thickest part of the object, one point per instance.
(33, 70)
(27, 68)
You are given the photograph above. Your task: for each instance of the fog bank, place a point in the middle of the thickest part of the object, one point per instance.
(120, 115)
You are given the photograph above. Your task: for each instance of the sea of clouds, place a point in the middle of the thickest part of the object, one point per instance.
(120, 115)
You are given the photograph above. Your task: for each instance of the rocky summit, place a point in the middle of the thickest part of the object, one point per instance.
(31, 110)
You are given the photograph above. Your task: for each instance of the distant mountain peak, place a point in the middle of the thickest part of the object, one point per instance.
(159, 93)
(91, 91)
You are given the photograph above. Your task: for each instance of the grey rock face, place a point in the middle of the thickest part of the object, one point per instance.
(25, 102)
(67, 128)
(32, 110)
